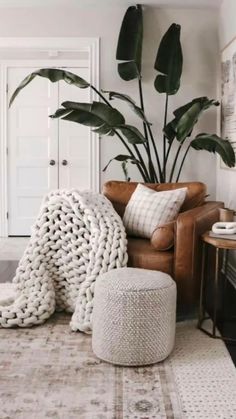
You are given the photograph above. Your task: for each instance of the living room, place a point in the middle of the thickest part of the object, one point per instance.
(118, 205)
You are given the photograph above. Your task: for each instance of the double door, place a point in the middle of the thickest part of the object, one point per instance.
(43, 153)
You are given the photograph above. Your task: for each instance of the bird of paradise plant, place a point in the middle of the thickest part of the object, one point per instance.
(142, 148)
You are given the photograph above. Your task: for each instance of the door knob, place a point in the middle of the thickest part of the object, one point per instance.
(52, 162)
(64, 162)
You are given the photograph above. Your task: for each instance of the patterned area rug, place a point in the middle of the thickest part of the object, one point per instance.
(50, 372)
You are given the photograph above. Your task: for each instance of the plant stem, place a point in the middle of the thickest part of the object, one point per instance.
(152, 171)
(151, 167)
(174, 163)
(142, 162)
(141, 167)
(156, 153)
(168, 153)
(142, 105)
(101, 96)
(164, 140)
(182, 163)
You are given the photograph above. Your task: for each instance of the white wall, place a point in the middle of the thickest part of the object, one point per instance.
(200, 47)
(226, 179)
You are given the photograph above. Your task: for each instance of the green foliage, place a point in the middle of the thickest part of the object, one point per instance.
(97, 115)
(115, 95)
(54, 75)
(141, 147)
(133, 135)
(186, 117)
(169, 62)
(129, 48)
(215, 144)
(120, 157)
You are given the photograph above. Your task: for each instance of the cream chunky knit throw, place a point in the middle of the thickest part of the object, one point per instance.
(77, 236)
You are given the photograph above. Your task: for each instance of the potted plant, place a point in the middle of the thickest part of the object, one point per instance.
(142, 148)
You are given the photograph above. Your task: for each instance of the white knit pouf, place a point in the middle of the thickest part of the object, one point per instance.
(134, 316)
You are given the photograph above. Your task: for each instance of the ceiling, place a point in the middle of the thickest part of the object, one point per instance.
(84, 3)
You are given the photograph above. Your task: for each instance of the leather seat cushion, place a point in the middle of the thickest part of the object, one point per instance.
(143, 255)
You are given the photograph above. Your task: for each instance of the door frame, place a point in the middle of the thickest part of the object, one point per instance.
(53, 46)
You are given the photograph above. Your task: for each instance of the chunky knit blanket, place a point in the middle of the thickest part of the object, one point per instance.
(77, 236)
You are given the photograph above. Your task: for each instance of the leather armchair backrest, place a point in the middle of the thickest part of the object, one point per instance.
(119, 193)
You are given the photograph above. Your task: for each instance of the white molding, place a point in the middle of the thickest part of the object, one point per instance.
(91, 45)
(3, 157)
(5, 64)
(95, 140)
(60, 44)
(74, 4)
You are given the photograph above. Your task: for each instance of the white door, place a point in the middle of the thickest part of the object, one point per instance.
(74, 140)
(32, 144)
(43, 153)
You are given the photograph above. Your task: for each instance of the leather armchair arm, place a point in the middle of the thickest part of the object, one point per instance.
(190, 225)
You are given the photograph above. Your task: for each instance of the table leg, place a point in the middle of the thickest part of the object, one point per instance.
(202, 286)
(216, 280)
(202, 303)
(226, 261)
(226, 258)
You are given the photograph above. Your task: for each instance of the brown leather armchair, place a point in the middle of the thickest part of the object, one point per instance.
(183, 259)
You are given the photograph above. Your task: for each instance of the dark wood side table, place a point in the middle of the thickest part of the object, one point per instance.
(220, 245)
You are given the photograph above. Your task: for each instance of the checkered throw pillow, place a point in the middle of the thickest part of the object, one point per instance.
(147, 209)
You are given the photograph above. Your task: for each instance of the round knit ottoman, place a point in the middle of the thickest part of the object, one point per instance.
(134, 316)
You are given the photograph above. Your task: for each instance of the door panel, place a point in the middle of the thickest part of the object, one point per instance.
(74, 139)
(34, 140)
(32, 143)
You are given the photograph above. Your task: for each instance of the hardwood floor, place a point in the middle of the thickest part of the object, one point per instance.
(227, 328)
(7, 270)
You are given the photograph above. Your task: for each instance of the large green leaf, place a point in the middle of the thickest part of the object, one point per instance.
(170, 130)
(121, 158)
(186, 123)
(59, 113)
(54, 75)
(128, 71)
(188, 120)
(133, 135)
(100, 116)
(215, 144)
(124, 159)
(203, 101)
(129, 48)
(139, 112)
(169, 62)
(109, 114)
(97, 115)
(186, 117)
